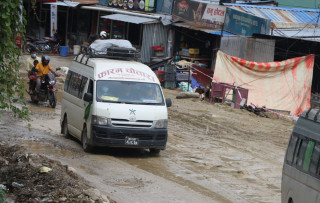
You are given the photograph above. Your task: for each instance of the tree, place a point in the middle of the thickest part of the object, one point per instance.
(11, 86)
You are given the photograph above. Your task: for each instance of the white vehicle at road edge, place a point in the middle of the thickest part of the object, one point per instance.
(301, 168)
(114, 103)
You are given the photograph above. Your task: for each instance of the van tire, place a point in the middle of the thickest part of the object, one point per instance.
(64, 128)
(84, 139)
(154, 151)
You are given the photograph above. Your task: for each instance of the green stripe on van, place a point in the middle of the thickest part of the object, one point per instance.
(307, 157)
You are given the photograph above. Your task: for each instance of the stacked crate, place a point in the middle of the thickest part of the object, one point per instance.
(169, 76)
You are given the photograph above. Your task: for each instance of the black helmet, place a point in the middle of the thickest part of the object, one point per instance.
(32, 49)
(45, 58)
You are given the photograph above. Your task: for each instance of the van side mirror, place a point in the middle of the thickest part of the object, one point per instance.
(58, 68)
(168, 102)
(88, 97)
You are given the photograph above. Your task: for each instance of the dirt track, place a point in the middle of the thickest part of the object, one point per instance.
(214, 154)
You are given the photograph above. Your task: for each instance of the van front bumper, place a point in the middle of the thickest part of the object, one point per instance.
(116, 137)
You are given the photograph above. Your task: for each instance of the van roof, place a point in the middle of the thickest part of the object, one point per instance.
(312, 114)
(114, 69)
(308, 124)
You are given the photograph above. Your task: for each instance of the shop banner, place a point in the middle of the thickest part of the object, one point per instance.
(138, 5)
(214, 13)
(54, 19)
(203, 15)
(241, 23)
(164, 6)
(283, 85)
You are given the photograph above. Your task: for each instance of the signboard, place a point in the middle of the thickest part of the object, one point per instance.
(138, 5)
(126, 74)
(54, 19)
(203, 15)
(164, 6)
(241, 23)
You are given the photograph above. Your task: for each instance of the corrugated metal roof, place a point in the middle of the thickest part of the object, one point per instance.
(282, 17)
(65, 3)
(214, 32)
(130, 18)
(86, 1)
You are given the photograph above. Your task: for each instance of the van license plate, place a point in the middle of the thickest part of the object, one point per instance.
(131, 141)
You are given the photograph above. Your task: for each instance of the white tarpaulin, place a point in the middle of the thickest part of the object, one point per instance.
(103, 45)
(284, 85)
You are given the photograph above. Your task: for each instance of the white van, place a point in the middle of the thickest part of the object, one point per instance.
(114, 103)
(301, 168)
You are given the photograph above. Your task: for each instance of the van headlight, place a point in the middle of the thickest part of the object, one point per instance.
(99, 120)
(163, 123)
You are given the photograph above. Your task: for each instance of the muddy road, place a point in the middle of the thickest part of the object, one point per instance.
(214, 154)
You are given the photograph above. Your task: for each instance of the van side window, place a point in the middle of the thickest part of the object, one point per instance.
(299, 155)
(90, 87)
(307, 156)
(82, 85)
(314, 165)
(291, 148)
(66, 83)
(74, 85)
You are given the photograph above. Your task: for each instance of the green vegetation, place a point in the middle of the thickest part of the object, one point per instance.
(11, 87)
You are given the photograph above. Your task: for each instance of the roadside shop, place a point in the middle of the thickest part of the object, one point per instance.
(144, 30)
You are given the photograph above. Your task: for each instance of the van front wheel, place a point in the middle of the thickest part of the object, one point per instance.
(84, 139)
(154, 151)
(64, 129)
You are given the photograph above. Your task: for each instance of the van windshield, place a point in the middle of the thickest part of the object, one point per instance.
(129, 92)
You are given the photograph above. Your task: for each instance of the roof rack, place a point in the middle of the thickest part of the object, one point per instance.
(113, 53)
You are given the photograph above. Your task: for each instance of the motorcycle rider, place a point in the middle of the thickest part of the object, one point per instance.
(30, 64)
(43, 68)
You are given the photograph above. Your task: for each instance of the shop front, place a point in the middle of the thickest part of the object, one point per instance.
(195, 45)
(198, 29)
(143, 30)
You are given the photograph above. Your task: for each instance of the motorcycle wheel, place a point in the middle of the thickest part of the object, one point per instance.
(34, 100)
(52, 99)
(26, 48)
(57, 49)
(43, 48)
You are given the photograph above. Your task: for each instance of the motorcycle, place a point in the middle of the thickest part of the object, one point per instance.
(46, 45)
(47, 89)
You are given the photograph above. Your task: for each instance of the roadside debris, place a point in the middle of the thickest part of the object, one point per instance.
(256, 110)
(45, 169)
(23, 180)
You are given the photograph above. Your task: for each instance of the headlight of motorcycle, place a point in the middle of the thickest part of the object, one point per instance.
(163, 123)
(99, 120)
(51, 82)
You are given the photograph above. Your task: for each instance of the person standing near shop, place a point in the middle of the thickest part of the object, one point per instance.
(30, 64)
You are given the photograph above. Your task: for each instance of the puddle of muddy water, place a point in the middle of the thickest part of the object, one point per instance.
(88, 170)
(42, 148)
(159, 167)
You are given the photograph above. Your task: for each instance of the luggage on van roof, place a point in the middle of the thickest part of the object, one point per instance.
(113, 48)
(312, 114)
